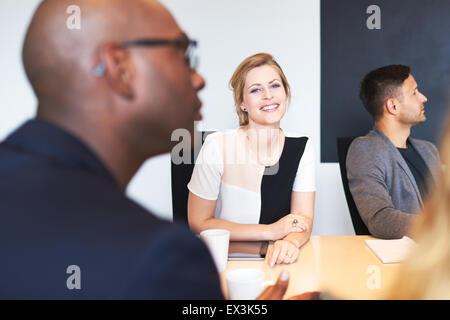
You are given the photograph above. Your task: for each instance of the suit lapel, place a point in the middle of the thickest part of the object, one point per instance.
(401, 162)
(427, 157)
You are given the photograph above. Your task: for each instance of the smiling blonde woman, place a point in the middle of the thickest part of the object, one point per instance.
(257, 181)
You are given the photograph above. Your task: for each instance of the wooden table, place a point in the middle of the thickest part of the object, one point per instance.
(341, 265)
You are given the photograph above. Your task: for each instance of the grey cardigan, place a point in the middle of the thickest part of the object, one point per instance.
(383, 187)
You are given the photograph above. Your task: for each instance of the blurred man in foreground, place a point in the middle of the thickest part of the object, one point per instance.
(109, 96)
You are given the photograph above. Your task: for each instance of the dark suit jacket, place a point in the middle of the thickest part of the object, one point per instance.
(383, 187)
(60, 207)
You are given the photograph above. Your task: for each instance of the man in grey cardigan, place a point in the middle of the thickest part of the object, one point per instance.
(390, 173)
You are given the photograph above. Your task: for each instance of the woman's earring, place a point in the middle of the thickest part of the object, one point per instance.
(245, 109)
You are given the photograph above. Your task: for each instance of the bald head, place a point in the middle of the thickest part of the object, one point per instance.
(127, 112)
(59, 61)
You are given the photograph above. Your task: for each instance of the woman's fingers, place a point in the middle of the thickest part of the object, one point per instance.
(275, 253)
(269, 254)
(298, 228)
(296, 254)
(293, 254)
(282, 252)
(284, 247)
(298, 223)
(288, 224)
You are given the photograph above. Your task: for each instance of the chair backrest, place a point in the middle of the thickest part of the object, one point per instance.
(343, 143)
(181, 175)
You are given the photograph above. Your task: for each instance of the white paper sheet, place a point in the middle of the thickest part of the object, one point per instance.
(391, 251)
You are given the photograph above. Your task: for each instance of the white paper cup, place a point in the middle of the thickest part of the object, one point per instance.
(217, 241)
(246, 284)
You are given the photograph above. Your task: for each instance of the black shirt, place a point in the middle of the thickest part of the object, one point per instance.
(418, 168)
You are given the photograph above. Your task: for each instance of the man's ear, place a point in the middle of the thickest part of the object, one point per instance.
(390, 105)
(119, 69)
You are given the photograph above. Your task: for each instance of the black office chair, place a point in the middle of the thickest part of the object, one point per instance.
(343, 143)
(181, 175)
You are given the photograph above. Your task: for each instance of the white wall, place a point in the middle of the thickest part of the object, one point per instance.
(17, 101)
(228, 31)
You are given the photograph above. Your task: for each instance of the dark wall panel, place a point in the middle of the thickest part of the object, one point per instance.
(413, 32)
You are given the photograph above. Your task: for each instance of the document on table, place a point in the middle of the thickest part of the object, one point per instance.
(391, 251)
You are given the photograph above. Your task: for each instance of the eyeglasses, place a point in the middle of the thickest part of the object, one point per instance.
(189, 47)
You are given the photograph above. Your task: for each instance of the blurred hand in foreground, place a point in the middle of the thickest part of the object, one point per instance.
(277, 291)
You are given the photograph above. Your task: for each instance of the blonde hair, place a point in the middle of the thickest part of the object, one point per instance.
(237, 81)
(426, 272)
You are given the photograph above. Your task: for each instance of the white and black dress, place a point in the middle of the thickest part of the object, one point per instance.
(246, 191)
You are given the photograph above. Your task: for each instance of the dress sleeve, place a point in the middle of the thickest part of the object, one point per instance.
(305, 179)
(208, 170)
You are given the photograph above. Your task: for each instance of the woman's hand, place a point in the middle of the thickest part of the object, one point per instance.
(282, 251)
(287, 224)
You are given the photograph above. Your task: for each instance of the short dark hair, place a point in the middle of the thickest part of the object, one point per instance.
(380, 84)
